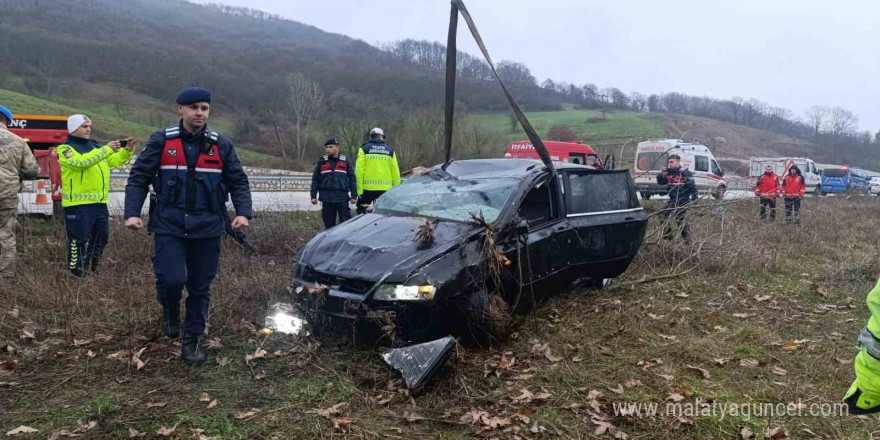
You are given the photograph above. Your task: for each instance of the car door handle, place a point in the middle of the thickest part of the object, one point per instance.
(629, 218)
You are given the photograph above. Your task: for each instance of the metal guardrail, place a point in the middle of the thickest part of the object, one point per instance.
(258, 182)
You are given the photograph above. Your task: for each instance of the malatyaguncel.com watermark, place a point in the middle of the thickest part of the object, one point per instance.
(720, 410)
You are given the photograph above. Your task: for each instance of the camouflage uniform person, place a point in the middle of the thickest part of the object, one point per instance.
(16, 162)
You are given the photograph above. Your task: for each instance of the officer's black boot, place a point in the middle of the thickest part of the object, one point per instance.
(171, 320)
(192, 349)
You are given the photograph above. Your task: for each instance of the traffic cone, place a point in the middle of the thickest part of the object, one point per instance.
(42, 198)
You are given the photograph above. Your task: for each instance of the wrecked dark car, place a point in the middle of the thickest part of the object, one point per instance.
(463, 247)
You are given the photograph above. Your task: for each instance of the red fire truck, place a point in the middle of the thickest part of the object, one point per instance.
(573, 152)
(43, 134)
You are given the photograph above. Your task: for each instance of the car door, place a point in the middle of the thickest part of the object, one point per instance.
(606, 220)
(545, 231)
(701, 171)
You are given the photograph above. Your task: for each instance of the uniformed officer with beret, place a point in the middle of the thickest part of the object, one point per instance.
(334, 184)
(191, 168)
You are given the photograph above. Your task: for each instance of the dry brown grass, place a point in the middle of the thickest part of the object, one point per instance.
(789, 297)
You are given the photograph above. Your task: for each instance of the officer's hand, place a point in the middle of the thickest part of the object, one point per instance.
(239, 222)
(114, 145)
(314, 201)
(352, 201)
(134, 223)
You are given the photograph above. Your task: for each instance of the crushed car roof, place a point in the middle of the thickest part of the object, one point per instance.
(483, 168)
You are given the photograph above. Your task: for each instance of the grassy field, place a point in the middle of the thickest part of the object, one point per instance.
(109, 126)
(752, 313)
(105, 126)
(588, 125)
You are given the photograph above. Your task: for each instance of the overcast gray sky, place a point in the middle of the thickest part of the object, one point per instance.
(788, 53)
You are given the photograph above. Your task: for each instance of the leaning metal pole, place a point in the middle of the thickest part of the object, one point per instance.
(451, 52)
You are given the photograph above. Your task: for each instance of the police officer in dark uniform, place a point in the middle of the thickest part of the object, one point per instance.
(334, 179)
(682, 191)
(191, 168)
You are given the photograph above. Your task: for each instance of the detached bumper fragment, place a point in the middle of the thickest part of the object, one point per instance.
(418, 363)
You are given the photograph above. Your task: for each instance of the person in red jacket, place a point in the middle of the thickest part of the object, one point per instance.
(768, 189)
(793, 188)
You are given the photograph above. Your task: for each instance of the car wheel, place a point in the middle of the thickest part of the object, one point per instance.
(489, 318)
(599, 284)
(719, 193)
(646, 196)
(818, 190)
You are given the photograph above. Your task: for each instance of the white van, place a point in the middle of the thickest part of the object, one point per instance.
(812, 176)
(652, 155)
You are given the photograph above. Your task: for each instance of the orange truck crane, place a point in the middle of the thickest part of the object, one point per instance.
(43, 134)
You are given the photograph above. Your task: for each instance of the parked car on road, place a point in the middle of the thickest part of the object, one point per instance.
(448, 251)
(845, 180)
(875, 185)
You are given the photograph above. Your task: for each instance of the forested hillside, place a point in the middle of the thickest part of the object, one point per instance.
(283, 86)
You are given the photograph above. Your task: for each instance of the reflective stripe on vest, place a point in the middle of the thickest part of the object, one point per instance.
(341, 166)
(172, 164)
(870, 342)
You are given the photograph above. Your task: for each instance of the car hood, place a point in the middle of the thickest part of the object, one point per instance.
(377, 247)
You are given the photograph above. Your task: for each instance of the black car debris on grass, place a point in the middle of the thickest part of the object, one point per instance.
(462, 250)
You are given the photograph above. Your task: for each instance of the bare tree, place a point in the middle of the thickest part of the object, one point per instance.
(121, 103)
(638, 101)
(842, 121)
(816, 117)
(305, 100)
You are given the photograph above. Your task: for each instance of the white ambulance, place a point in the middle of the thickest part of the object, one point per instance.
(812, 176)
(652, 155)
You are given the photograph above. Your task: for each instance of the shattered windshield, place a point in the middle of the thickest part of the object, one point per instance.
(449, 199)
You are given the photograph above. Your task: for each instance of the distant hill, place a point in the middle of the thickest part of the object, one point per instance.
(732, 144)
(157, 47)
(111, 127)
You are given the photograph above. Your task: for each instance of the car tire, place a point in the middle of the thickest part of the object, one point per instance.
(719, 193)
(600, 284)
(646, 196)
(818, 191)
(488, 319)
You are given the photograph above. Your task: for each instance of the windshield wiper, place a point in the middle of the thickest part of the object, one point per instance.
(440, 174)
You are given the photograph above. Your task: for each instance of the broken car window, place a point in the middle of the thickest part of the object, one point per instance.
(598, 192)
(537, 207)
(449, 199)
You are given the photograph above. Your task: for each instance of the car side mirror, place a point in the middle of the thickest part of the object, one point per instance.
(523, 227)
(721, 172)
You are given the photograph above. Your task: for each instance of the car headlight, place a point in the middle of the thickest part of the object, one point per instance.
(397, 292)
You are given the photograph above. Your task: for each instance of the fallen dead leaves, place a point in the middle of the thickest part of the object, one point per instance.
(127, 356)
(8, 367)
(79, 431)
(21, 430)
(327, 412)
(702, 371)
(342, 424)
(156, 404)
(246, 415)
(525, 396)
(258, 354)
